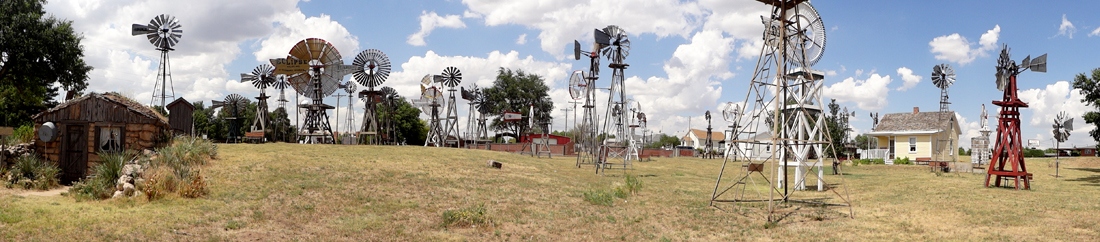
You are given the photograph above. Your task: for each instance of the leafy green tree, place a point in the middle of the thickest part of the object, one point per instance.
(516, 91)
(1090, 88)
(864, 142)
(410, 128)
(281, 128)
(665, 141)
(37, 52)
(962, 151)
(838, 130)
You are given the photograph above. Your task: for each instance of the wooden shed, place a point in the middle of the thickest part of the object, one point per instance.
(180, 116)
(93, 123)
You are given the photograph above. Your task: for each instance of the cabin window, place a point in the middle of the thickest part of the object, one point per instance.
(109, 139)
(912, 145)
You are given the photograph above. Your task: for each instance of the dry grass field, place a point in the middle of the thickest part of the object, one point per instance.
(381, 193)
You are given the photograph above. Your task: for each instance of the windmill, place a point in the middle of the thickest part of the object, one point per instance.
(472, 97)
(785, 99)
(483, 106)
(164, 32)
(372, 67)
(1009, 146)
(431, 101)
(261, 77)
(389, 102)
(616, 123)
(314, 68)
(1062, 126)
(349, 88)
(979, 146)
(633, 148)
(450, 78)
(232, 107)
(589, 148)
(731, 113)
(708, 145)
(281, 84)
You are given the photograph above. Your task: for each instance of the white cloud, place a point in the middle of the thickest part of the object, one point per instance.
(909, 79)
(293, 27)
(1066, 29)
(522, 39)
(560, 22)
(429, 21)
(867, 94)
(1095, 32)
(692, 85)
(958, 49)
(1045, 104)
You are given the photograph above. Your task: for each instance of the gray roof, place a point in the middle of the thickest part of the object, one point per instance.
(895, 122)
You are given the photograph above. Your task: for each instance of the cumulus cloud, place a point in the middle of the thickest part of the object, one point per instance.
(1066, 29)
(1094, 32)
(956, 48)
(429, 21)
(692, 85)
(867, 94)
(522, 39)
(293, 27)
(1045, 104)
(909, 79)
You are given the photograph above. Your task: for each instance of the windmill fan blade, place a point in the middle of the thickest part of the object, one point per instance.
(1026, 62)
(576, 50)
(451, 76)
(140, 29)
(1039, 64)
(601, 37)
(1068, 125)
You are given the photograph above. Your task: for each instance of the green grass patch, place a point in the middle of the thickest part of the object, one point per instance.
(472, 215)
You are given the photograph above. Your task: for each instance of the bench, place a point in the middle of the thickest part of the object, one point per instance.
(942, 165)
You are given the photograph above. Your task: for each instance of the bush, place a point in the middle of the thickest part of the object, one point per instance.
(175, 169)
(466, 216)
(1034, 153)
(903, 161)
(194, 187)
(159, 181)
(23, 134)
(101, 185)
(30, 172)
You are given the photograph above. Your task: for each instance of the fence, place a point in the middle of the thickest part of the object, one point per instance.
(873, 153)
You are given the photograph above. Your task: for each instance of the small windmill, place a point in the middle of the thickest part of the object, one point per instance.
(372, 69)
(233, 106)
(261, 77)
(731, 112)
(350, 88)
(431, 101)
(709, 144)
(389, 102)
(163, 31)
(450, 78)
(483, 107)
(472, 97)
(1062, 126)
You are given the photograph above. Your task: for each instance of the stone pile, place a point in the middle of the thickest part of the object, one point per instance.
(9, 153)
(130, 176)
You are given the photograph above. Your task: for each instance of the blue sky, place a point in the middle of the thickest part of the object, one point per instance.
(687, 56)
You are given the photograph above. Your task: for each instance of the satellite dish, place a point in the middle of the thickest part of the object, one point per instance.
(578, 87)
(261, 77)
(163, 31)
(47, 132)
(451, 76)
(943, 76)
(619, 47)
(806, 34)
(373, 67)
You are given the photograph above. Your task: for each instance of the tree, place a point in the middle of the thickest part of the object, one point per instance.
(665, 140)
(838, 129)
(1090, 89)
(38, 53)
(864, 142)
(410, 128)
(516, 92)
(281, 128)
(962, 151)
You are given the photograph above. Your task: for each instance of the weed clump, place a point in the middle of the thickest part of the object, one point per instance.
(30, 172)
(472, 215)
(607, 197)
(599, 197)
(176, 169)
(101, 185)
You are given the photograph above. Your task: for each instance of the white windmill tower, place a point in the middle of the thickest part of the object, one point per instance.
(163, 31)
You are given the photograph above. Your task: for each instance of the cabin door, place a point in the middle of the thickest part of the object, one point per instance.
(74, 153)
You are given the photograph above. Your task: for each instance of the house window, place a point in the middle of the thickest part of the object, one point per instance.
(109, 139)
(912, 145)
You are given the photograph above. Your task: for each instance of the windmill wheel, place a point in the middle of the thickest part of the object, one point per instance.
(349, 88)
(261, 77)
(374, 68)
(389, 92)
(451, 76)
(619, 47)
(235, 101)
(943, 76)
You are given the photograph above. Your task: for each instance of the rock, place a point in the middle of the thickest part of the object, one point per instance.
(117, 194)
(123, 180)
(139, 181)
(128, 189)
(494, 164)
(132, 170)
(149, 152)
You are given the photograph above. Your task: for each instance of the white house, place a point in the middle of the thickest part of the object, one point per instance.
(697, 139)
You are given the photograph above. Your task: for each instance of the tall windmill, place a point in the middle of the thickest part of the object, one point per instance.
(349, 121)
(314, 68)
(784, 85)
(943, 76)
(164, 32)
(709, 144)
(1063, 124)
(389, 102)
(281, 84)
(616, 123)
(586, 135)
(372, 69)
(1009, 146)
(483, 107)
(261, 77)
(450, 78)
(232, 106)
(431, 101)
(472, 97)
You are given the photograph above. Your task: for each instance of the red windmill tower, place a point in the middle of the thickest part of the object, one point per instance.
(1009, 149)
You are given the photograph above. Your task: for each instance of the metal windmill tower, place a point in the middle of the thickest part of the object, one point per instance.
(731, 112)
(314, 68)
(786, 115)
(372, 69)
(261, 77)
(1063, 124)
(472, 97)
(163, 31)
(232, 106)
(708, 145)
(281, 84)
(431, 103)
(943, 76)
(1009, 146)
(349, 120)
(616, 122)
(483, 107)
(587, 143)
(389, 102)
(451, 77)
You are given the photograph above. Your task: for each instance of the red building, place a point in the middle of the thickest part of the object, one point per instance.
(553, 139)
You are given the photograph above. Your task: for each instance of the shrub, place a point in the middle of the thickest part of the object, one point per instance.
(30, 172)
(633, 184)
(23, 134)
(101, 185)
(903, 161)
(466, 216)
(159, 181)
(194, 187)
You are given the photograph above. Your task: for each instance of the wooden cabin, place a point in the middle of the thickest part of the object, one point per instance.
(180, 116)
(94, 123)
